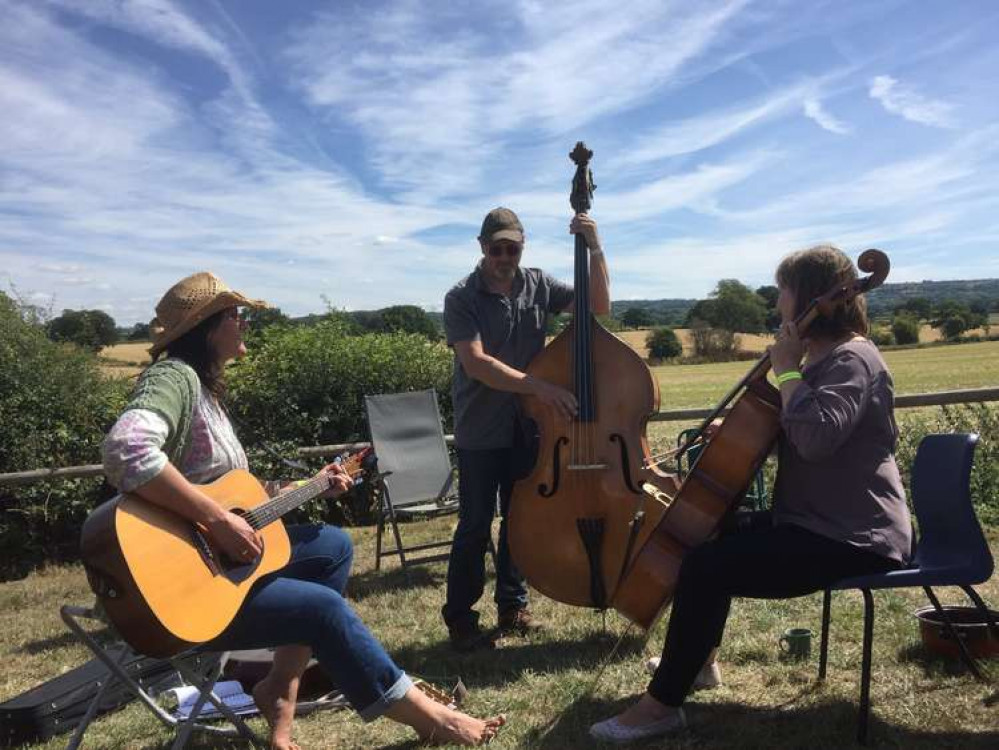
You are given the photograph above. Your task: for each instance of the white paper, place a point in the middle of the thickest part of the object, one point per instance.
(230, 692)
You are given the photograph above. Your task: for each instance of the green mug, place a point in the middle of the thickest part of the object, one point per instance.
(796, 643)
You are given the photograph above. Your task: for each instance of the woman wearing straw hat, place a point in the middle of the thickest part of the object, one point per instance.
(175, 434)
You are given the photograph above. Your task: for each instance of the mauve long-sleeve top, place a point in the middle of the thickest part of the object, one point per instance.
(836, 474)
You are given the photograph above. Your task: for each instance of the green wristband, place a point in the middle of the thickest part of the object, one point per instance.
(788, 376)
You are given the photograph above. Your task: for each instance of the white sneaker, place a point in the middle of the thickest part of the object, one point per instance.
(612, 730)
(709, 676)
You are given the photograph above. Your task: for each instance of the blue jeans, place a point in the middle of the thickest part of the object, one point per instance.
(303, 604)
(480, 474)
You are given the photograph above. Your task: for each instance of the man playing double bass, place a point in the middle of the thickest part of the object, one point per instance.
(495, 319)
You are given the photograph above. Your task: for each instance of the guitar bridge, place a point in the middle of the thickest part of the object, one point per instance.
(205, 550)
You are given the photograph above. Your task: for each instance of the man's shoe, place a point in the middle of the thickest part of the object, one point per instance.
(469, 637)
(519, 621)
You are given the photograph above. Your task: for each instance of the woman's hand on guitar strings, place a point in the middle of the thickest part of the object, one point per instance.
(235, 536)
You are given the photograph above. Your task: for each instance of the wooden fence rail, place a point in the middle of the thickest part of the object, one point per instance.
(939, 398)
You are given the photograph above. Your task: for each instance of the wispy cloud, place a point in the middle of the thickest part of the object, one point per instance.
(431, 90)
(815, 111)
(906, 102)
(324, 149)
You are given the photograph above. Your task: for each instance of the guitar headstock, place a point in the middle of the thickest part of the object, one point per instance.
(355, 463)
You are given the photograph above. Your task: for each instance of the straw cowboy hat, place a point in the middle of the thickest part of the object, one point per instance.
(189, 302)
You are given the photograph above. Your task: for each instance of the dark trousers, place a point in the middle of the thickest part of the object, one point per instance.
(481, 474)
(772, 562)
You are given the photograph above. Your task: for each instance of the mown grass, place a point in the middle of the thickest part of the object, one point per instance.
(544, 684)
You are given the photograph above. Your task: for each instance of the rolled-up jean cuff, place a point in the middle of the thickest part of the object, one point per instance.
(395, 693)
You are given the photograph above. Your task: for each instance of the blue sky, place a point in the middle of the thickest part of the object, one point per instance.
(344, 153)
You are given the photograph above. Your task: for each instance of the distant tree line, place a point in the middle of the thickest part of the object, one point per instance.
(731, 308)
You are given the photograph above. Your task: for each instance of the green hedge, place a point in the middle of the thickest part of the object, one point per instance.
(306, 386)
(298, 386)
(981, 418)
(55, 406)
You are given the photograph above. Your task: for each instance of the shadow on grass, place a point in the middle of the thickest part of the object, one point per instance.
(374, 583)
(103, 635)
(722, 725)
(936, 665)
(514, 656)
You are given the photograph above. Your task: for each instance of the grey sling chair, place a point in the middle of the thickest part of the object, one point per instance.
(416, 476)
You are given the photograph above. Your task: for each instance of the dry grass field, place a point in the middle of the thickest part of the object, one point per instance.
(751, 342)
(544, 684)
(125, 359)
(129, 358)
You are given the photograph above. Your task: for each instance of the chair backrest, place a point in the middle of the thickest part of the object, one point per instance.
(949, 531)
(408, 439)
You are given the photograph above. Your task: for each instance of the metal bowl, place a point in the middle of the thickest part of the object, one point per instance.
(970, 625)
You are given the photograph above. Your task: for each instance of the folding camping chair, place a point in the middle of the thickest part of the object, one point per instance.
(199, 668)
(416, 476)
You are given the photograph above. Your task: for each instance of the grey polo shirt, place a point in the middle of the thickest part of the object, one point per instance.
(511, 329)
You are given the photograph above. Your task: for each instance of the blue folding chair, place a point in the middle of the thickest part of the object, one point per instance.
(952, 551)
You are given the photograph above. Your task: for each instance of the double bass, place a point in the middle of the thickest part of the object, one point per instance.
(593, 496)
(596, 523)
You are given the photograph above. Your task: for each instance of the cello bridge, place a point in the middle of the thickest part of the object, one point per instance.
(587, 467)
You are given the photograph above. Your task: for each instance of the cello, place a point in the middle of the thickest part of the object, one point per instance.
(593, 495)
(729, 460)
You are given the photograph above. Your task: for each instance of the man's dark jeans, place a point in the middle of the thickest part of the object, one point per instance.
(481, 473)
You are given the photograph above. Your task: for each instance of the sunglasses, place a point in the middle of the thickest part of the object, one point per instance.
(234, 313)
(511, 249)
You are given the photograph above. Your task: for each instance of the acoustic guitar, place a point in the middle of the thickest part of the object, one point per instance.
(163, 582)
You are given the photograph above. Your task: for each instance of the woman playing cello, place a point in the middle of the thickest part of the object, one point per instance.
(839, 506)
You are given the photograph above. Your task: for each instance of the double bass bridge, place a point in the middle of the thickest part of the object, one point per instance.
(586, 467)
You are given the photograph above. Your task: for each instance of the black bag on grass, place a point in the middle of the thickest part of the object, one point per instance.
(59, 704)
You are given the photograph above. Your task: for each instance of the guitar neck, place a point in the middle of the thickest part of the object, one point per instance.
(272, 510)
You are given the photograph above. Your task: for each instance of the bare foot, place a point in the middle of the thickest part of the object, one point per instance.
(277, 705)
(438, 725)
(462, 729)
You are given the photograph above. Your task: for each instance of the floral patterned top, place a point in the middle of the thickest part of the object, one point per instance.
(133, 449)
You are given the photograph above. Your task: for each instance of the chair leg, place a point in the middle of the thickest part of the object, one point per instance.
(824, 643)
(398, 538)
(117, 673)
(378, 540)
(69, 614)
(966, 656)
(986, 612)
(205, 681)
(865, 674)
(91, 714)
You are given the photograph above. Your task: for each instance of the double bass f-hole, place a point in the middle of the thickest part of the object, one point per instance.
(556, 469)
(625, 462)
